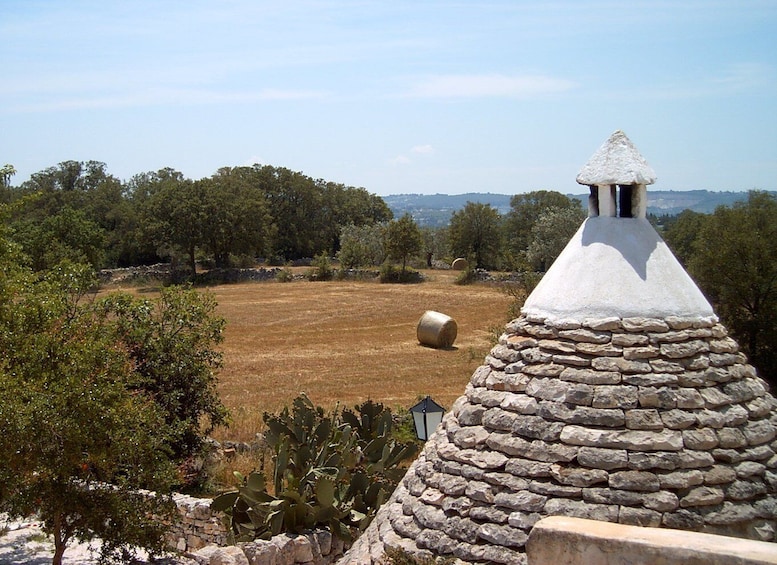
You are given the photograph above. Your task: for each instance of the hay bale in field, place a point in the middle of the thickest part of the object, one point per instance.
(436, 330)
(459, 264)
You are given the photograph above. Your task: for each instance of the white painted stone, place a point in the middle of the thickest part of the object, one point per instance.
(616, 266)
(561, 540)
(617, 161)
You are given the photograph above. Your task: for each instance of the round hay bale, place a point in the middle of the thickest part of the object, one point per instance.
(459, 264)
(436, 330)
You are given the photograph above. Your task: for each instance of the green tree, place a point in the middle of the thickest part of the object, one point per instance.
(236, 216)
(295, 202)
(362, 246)
(436, 244)
(345, 205)
(82, 188)
(174, 217)
(476, 231)
(525, 210)
(681, 234)
(735, 263)
(146, 236)
(77, 444)
(6, 172)
(551, 233)
(403, 239)
(171, 344)
(67, 235)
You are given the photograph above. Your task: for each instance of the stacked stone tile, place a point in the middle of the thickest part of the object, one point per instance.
(638, 421)
(615, 396)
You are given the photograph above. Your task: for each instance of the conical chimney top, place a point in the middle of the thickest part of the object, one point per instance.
(616, 264)
(616, 162)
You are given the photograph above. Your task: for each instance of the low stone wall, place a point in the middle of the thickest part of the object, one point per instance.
(560, 540)
(197, 527)
(200, 535)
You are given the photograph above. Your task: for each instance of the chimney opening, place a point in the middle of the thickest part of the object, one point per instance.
(593, 202)
(625, 201)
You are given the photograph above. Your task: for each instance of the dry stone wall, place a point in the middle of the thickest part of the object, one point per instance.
(649, 422)
(201, 536)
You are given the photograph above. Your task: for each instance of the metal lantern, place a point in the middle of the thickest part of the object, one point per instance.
(427, 415)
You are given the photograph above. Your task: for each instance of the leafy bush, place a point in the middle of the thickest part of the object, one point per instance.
(170, 343)
(284, 275)
(467, 276)
(73, 420)
(391, 274)
(329, 470)
(321, 269)
(275, 261)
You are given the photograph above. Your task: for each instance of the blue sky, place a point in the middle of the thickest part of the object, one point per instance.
(395, 96)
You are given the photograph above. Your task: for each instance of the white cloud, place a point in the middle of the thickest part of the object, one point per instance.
(489, 86)
(400, 160)
(423, 149)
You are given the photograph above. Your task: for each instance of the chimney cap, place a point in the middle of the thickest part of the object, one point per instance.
(617, 161)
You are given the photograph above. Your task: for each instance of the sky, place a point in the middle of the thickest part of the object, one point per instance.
(396, 96)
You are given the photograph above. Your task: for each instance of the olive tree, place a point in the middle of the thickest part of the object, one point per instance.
(362, 246)
(476, 231)
(734, 261)
(551, 233)
(403, 239)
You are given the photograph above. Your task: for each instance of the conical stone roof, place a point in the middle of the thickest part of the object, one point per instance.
(629, 411)
(617, 161)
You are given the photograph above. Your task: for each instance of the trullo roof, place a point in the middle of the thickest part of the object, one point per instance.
(616, 395)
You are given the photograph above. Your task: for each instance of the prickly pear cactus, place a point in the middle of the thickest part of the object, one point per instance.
(332, 470)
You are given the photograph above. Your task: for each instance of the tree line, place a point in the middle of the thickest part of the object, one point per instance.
(78, 210)
(732, 256)
(527, 238)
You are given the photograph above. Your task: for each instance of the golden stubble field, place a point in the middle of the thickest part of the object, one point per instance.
(346, 342)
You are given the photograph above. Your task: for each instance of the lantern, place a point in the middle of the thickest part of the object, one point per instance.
(427, 415)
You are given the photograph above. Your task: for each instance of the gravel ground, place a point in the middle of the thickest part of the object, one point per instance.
(23, 542)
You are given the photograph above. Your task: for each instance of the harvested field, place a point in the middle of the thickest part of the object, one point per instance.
(346, 342)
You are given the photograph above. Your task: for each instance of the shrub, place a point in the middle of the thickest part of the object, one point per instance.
(391, 274)
(329, 470)
(321, 269)
(467, 276)
(284, 275)
(74, 420)
(275, 261)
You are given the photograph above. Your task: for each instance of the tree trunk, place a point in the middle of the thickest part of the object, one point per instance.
(59, 542)
(192, 262)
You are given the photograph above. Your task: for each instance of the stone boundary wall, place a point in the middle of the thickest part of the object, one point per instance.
(201, 536)
(561, 540)
(197, 525)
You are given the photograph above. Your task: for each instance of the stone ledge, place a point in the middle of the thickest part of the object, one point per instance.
(560, 540)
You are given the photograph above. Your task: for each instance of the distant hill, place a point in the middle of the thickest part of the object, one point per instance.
(434, 210)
